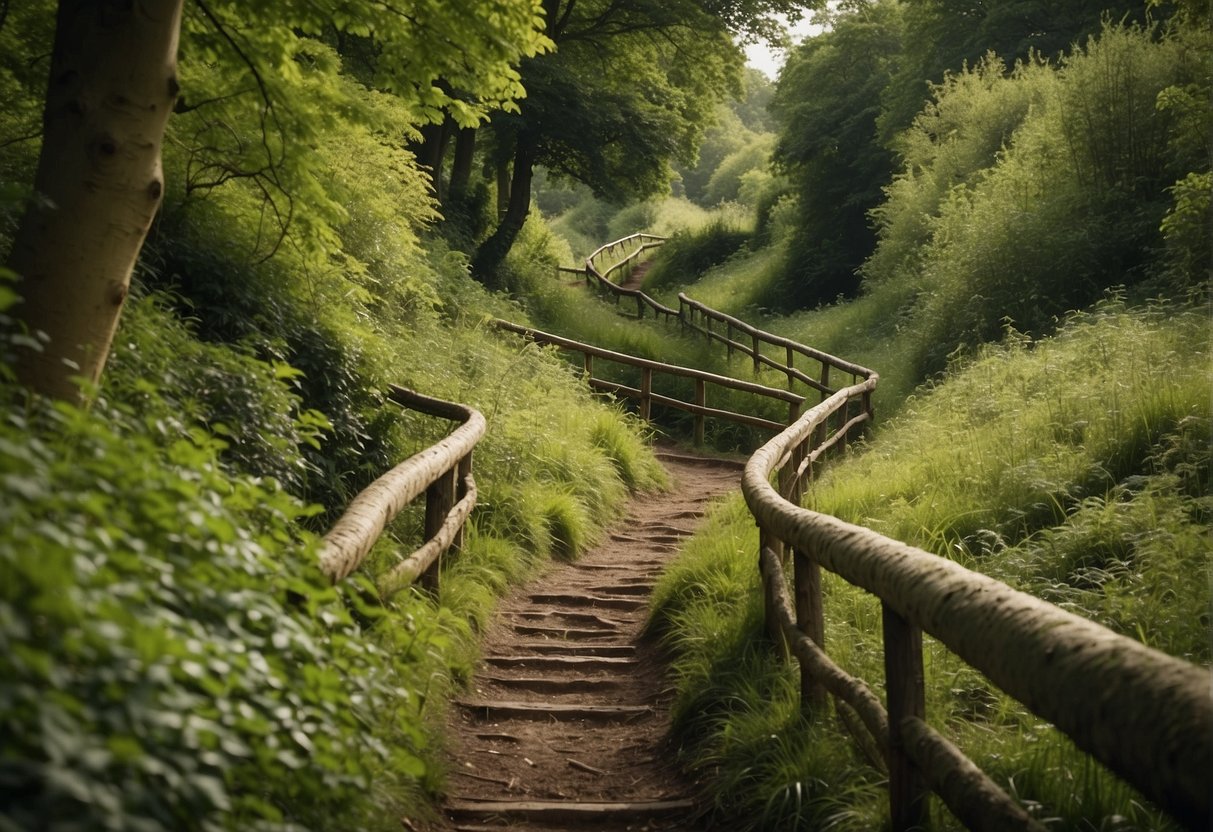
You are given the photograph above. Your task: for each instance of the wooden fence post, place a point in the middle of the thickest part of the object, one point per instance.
(791, 365)
(588, 363)
(701, 399)
(439, 498)
(825, 380)
(908, 790)
(766, 540)
(757, 362)
(639, 307)
(461, 490)
(646, 392)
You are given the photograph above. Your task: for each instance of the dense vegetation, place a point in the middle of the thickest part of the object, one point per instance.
(172, 658)
(1064, 452)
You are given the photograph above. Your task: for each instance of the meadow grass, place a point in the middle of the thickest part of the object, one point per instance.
(1076, 468)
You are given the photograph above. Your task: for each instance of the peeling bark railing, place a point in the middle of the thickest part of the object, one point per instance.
(443, 472)
(596, 277)
(1145, 715)
(644, 394)
(699, 317)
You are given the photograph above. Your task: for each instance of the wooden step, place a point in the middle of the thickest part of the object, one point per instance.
(574, 600)
(574, 663)
(555, 633)
(645, 588)
(569, 812)
(578, 648)
(583, 619)
(544, 684)
(546, 711)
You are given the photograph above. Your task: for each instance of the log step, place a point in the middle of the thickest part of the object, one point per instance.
(543, 684)
(551, 711)
(573, 600)
(563, 662)
(559, 632)
(586, 619)
(625, 588)
(566, 811)
(560, 648)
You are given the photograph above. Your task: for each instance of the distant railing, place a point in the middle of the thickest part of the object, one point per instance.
(1145, 715)
(699, 317)
(443, 472)
(598, 277)
(644, 394)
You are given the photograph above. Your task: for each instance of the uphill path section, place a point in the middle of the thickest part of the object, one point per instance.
(566, 722)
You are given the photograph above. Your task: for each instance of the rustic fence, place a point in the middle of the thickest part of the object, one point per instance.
(1145, 715)
(646, 397)
(443, 472)
(700, 318)
(600, 276)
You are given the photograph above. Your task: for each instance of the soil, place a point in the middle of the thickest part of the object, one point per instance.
(566, 723)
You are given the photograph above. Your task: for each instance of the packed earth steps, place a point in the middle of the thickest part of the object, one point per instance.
(566, 723)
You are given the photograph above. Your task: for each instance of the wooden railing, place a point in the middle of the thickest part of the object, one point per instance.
(1145, 715)
(597, 277)
(443, 472)
(644, 394)
(699, 317)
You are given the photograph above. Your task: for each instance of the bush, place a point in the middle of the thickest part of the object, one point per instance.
(688, 254)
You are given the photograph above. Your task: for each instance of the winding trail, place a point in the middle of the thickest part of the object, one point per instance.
(566, 722)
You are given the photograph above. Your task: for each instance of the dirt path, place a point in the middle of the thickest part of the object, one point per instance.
(633, 280)
(566, 722)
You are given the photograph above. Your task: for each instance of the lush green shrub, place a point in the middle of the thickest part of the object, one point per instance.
(688, 254)
(171, 657)
(1072, 207)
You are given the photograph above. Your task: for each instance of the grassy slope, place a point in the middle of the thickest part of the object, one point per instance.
(1076, 468)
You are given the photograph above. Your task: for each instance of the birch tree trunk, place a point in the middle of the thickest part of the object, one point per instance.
(113, 84)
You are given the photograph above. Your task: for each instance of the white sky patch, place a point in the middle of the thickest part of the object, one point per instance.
(763, 57)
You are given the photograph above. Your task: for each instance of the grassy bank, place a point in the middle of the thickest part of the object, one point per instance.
(1075, 468)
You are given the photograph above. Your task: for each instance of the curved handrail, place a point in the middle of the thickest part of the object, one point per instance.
(759, 336)
(603, 280)
(1145, 715)
(443, 472)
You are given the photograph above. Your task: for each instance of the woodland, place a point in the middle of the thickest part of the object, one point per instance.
(229, 227)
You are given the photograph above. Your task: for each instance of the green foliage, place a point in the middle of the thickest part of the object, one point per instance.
(688, 254)
(827, 103)
(1085, 179)
(171, 656)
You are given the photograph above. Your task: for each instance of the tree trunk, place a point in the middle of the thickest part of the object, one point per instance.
(461, 167)
(492, 252)
(431, 151)
(503, 187)
(113, 83)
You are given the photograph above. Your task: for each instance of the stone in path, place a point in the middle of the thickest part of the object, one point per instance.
(565, 725)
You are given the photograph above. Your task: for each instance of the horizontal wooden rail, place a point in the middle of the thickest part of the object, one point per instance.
(443, 472)
(699, 317)
(1145, 715)
(645, 395)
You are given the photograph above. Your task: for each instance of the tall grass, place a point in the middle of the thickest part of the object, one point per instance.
(1076, 468)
